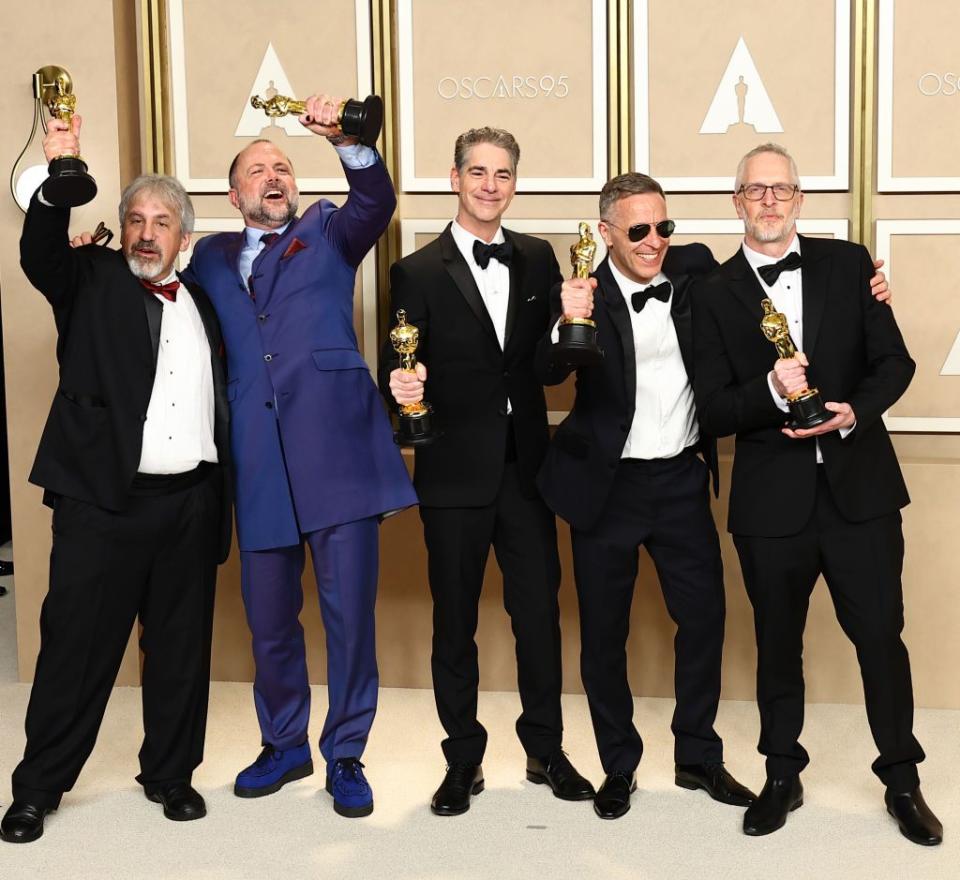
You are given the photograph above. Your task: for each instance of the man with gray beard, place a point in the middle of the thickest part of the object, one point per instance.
(133, 462)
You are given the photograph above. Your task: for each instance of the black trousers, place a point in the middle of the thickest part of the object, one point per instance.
(156, 560)
(862, 564)
(523, 534)
(662, 504)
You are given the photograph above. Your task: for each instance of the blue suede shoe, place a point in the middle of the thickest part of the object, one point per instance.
(273, 770)
(352, 795)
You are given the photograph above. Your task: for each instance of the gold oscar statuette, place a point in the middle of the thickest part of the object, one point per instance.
(69, 184)
(806, 407)
(577, 345)
(359, 119)
(414, 419)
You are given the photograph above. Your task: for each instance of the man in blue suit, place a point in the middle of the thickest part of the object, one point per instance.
(313, 449)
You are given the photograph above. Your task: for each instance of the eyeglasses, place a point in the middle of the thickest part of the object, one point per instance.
(782, 192)
(639, 231)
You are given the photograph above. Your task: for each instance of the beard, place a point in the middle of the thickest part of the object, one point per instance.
(767, 233)
(142, 267)
(270, 212)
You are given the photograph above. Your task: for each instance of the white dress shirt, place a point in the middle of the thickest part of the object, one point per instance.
(178, 432)
(492, 282)
(664, 420)
(787, 297)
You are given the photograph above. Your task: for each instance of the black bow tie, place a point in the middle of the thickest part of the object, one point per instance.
(482, 253)
(771, 273)
(639, 298)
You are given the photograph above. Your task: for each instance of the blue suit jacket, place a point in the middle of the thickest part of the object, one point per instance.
(312, 444)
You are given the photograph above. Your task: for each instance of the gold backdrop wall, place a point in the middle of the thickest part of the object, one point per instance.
(866, 100)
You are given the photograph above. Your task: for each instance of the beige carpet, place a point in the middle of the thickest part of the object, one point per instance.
(105, 828)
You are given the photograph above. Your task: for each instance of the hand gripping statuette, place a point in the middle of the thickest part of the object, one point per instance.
(806, 407)
(577, 345)
(415, 419)
(359, 119)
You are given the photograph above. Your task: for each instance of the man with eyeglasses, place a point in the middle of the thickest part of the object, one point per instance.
(629, 467)
(825, 500)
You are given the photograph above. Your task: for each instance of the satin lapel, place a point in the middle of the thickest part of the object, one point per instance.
(460, 272)
(680, 313)
(616, 307)
(517, 269)
(816, 275)
(745, 286)
(154, 310)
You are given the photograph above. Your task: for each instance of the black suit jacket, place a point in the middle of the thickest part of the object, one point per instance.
(469, 377)
(581, 464)
(856, 355)
(108, 336)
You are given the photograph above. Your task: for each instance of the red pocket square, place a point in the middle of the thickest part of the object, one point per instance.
(294, 248)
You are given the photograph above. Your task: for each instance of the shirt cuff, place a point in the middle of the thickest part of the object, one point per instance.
(356, 156)
(777, 399)
(555, 333)
(846, 432)
(41, 199)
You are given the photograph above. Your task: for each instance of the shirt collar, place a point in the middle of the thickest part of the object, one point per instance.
(627, 286)
(756, 259)
(466, 239)
(253, 235)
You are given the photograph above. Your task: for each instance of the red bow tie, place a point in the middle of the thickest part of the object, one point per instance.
(167, 291)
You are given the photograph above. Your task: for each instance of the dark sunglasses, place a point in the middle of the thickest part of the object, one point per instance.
(639, 231)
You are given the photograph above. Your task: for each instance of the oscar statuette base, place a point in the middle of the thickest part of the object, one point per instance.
(808, 411)
(416, 429)
(577, 345)
(69, 185)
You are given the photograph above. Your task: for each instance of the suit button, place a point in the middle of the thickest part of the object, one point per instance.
(506, 374)
(501, 412)
(623, 427)
(269, 404)
(612, 465)
(261, 318)
(268, 358)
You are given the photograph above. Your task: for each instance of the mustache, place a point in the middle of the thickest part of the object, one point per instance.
(146, 246)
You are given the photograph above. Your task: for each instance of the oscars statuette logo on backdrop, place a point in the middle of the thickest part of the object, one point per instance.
(741, 98)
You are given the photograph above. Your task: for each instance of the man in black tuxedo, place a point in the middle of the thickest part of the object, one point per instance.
(629, 467)
(808, 502)
(133, 460)
(479, 295)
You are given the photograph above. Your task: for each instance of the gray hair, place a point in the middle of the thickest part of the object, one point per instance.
(486, 135)
(168, 190)
(776, 149)
(624, 185)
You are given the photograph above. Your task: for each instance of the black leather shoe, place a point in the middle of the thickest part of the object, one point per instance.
(562, 777)
(613, 798)
(453, 796)
(769, 811)
(6, 568)
(181, 802)
(716, 782)
(22, 822)
(916, 820)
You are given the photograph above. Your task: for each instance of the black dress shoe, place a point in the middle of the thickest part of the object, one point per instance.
(6, 568)
(181, 802)
(716, 782)
(613, 798)
(769, 811)
(916, 820)
(562, 777)
(453, 796)
(22, 822)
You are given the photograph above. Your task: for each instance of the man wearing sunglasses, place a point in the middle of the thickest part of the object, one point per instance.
(629, 467)
(825, 500)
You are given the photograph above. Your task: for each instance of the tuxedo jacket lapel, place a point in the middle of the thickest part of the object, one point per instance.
(462, 277)
(154, 311)
(816, 277)
(745, 286)
(517, 270)
(620, 318)
(680, 313)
